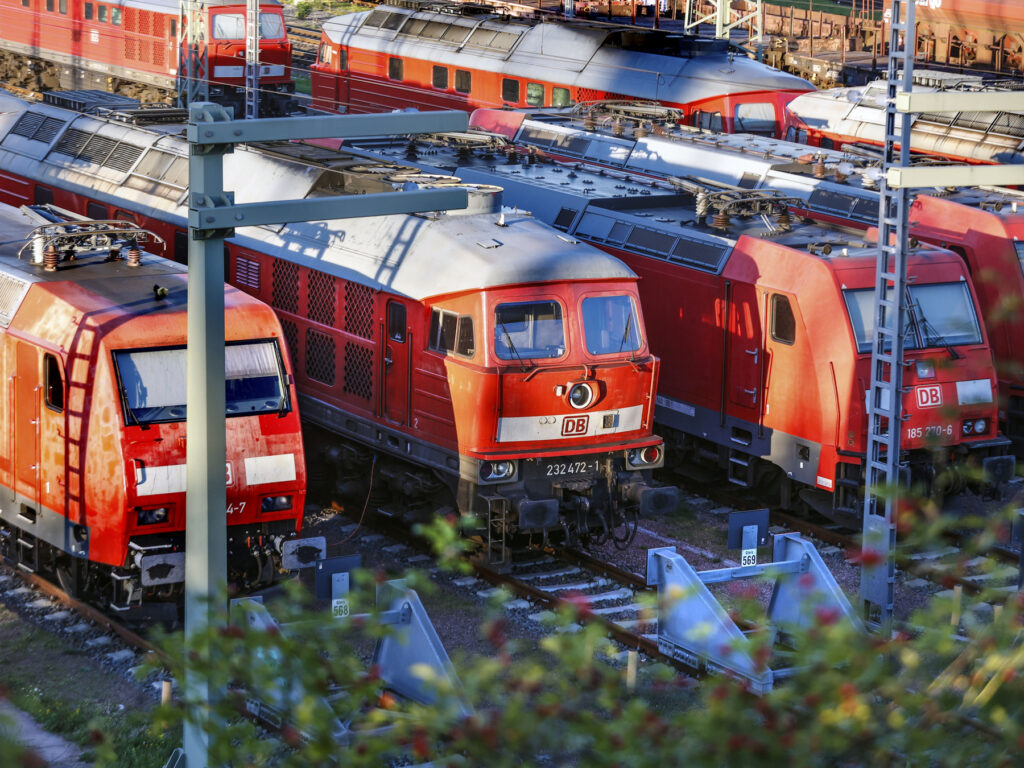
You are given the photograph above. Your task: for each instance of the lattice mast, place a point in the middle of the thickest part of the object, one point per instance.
(252, 59)
(885, 398)
(719, 16)
(193, 65)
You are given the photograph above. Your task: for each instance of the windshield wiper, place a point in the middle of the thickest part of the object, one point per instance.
(626, 332)
(131, 411)
(512, 346)
(931, 335)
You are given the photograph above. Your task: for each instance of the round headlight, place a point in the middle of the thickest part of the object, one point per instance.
(651, 454)
(496, 470)
(967, 427)
(980, 426)
(581, 395)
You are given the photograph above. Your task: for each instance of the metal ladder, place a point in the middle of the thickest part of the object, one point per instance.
(252, 59)
(193, 63)
(885, 400)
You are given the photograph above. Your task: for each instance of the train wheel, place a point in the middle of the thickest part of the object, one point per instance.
(68, 576)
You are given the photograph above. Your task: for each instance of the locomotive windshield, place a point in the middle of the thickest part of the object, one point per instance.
(153, 382)
(610, 325)
(528, 330)
(231, 26)
(940, 315)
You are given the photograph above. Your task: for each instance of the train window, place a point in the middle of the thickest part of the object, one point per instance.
(465, 344)
(174, 29)
(126, 217)
(153, 383)
(49, 5)
(96, 211)
(396, 322)
(54, 383)
(1020, 253)
(827, 143)
(757, 117)
(783, 322)
(443, 327)
(463, 80)
(510, 90)
(395, 68)
(801, 136)
(43, 196)
(709, 121)
(62, 6)
(88, 12)
(535, 94)
(271, 26)
(326, 54)
(526, 330)
(791, 133)
(439, 78)
(943, 315)
(115, 16)
(101, 13)
(228, 26)
(25, 3)
(610, 325)
(560, 97)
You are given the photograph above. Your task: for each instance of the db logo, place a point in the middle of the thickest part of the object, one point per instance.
(929, 397)
(575, 425)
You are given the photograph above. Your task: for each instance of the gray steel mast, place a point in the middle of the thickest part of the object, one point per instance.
(885, 398)
(252, 59)
(193, 65)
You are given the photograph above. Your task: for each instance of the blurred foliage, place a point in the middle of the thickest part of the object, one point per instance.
(932, 694)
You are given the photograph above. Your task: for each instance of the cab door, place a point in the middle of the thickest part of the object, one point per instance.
(26, 422)
(396, 363)
(744, 354)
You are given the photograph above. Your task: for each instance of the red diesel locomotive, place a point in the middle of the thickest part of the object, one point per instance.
(470, 358)
(92, 437)
(135, 48)
(764, 328)
(455, 56)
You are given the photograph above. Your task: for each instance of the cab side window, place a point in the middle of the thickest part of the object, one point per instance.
(783, 321)
(53, 383)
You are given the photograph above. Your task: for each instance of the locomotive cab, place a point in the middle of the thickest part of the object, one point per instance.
(567, 379)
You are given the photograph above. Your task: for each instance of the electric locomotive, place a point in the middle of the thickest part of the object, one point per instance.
(856, 116)
(136, 49)
(456, 56)
(472, 359)
(983, 226)
(92, 437)
(764, 328)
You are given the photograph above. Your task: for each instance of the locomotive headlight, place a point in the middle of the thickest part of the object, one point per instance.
(966, 427)
(275, 503)
(980, 425)
(642, 457)
(581, 395)
(151, 516)
(492, 471)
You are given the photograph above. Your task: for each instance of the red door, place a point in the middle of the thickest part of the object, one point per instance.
(396, 364)
(744, 354)
(26, 421)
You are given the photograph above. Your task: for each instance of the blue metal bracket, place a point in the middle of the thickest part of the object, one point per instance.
(694, 628)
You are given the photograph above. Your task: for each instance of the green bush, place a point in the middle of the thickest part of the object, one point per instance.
(926, 696)
(303, 9)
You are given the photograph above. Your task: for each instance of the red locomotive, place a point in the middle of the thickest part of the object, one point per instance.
(92, 463)
(134, 47)
(456, 56)
(764, 328)
(982, 226)
(508, 377)
(856, 116)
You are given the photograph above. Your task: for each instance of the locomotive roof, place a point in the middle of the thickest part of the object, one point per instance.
(609, 57)
(416, 255)
(655, 217)
(846, 187)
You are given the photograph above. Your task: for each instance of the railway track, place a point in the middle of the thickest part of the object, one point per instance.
(305, 43)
